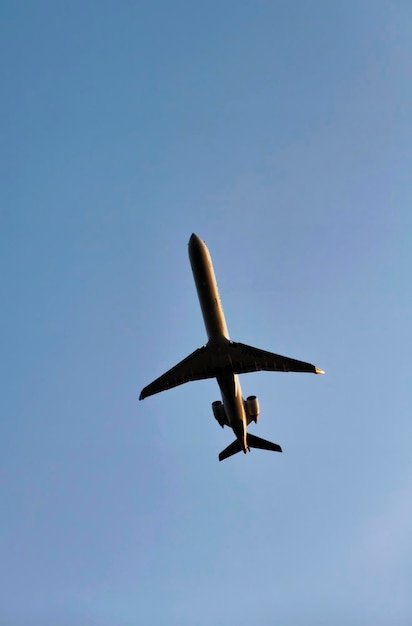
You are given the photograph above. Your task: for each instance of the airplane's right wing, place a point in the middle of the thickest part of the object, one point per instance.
(196, 366)
(248, 359)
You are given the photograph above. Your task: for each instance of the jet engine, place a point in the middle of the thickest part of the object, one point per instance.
(219, 412)
(252, 409)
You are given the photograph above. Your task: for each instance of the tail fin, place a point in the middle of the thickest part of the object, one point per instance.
(252, 442)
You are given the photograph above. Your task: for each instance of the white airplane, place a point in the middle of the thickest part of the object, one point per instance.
(224, 359)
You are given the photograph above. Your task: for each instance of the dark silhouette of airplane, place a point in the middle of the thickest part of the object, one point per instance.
(224, 359)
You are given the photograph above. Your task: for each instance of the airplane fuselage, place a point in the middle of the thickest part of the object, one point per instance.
(218, 334)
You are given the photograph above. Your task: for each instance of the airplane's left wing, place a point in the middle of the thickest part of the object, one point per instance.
(196, 366)
(248, 359)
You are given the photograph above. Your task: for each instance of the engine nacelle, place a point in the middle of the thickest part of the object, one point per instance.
(252, 409)
(219, 412)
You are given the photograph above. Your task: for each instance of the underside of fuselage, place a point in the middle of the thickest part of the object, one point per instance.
(233, 403)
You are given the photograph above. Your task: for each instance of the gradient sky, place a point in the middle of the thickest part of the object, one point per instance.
(280, 132)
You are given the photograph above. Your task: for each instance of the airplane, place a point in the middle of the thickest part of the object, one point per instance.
(224, 359)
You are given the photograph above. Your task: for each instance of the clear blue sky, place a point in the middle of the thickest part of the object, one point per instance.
(279, 132)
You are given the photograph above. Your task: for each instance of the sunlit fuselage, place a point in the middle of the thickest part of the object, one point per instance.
(218, 335)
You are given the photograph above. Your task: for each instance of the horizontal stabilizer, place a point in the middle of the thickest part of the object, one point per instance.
(257, 442)
(252, 442)
(230, 450)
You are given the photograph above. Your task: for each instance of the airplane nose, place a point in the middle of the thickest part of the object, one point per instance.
(196, 245)
(194, 239)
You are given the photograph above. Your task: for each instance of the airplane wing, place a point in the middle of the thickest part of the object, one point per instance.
(248, 359)
(207, 362)
(196, 366)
